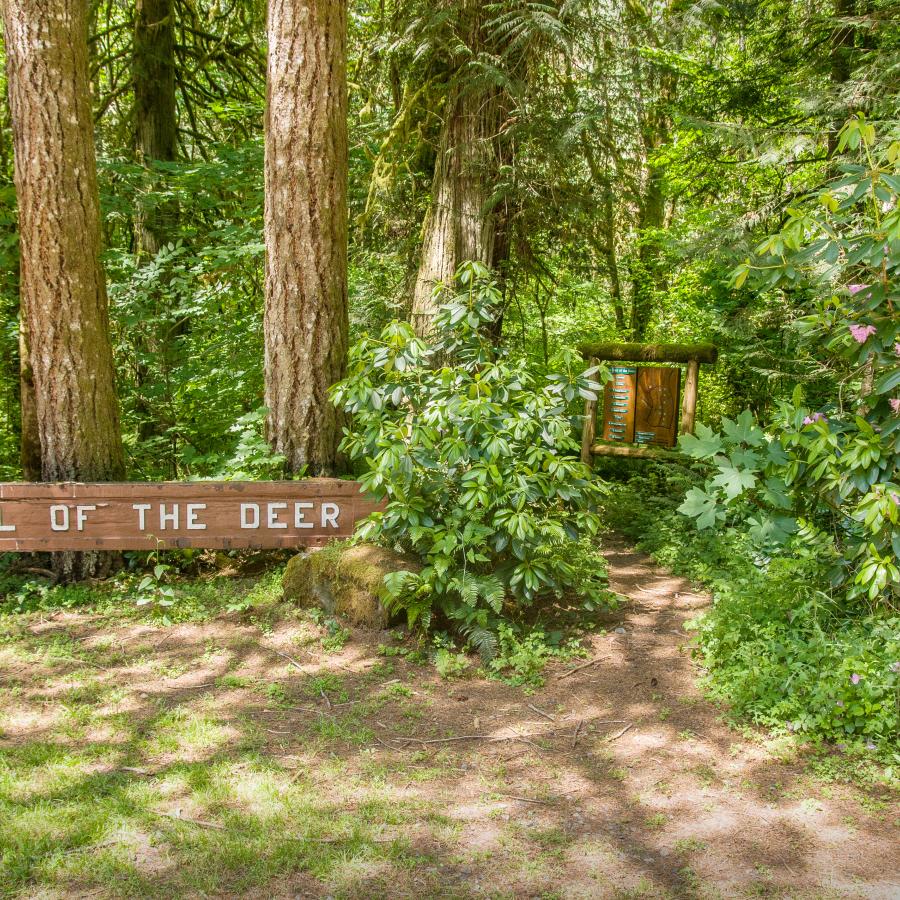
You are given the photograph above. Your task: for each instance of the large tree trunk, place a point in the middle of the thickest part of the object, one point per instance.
(156, 140)
(306, 317)
(155, 123)
(62, 284)
(458, 227)
(647, 274)
(648, 271)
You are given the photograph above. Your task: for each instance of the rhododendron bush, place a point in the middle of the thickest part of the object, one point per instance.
(827, 477)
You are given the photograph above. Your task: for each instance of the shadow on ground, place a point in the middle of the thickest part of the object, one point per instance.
(238, 758)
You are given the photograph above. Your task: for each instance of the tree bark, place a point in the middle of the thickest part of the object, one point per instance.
(155, 122)
(30, 447)
(62, 284)
(155, 140)
(648, 275)
(459, 227)
(306, 314)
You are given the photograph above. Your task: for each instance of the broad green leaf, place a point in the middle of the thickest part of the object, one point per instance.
(734, 481)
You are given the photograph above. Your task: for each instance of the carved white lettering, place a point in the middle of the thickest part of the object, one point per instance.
(249, 515)
(55, 522)
(192, 523)
(142, 514)
(272, 515)
(299, 506)
(81, 516)
(330, 513)
(5, 527)
(171, 517)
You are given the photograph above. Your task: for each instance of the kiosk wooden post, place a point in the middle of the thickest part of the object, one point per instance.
(589, 429)
(689, 398)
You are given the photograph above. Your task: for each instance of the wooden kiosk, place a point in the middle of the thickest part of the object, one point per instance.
(640, 408)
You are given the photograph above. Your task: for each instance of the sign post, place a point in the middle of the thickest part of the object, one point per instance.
(221, 515)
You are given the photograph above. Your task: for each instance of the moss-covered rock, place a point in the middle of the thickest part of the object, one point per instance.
(345, 580)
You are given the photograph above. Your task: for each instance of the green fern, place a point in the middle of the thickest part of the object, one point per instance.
(482, 641)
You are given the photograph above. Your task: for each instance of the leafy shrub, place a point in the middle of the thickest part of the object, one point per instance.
(783, 652)
(828, 475)
(476, 458)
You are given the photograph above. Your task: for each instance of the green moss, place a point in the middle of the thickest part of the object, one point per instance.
(344, 579)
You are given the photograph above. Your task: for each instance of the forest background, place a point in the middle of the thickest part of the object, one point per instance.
(721, 172)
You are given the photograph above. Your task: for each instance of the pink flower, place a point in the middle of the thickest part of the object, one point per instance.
(861, 333)
(855, 679)
(815, 417)
(895, 404)
(896, 498)
(856, 288)
(897, 348)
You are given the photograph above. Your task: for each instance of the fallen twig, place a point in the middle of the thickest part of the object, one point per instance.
(540, 712)
(579, 668)
(87, 848)
(290, 659)
(85, 662)
(462, 737)
(200, 822)
(577, 732)
(325, 697)
(619, 734)
(525, 799)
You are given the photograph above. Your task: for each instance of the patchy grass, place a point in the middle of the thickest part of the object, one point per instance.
(240, 748)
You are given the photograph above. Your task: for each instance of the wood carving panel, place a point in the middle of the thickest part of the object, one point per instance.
(656, 409)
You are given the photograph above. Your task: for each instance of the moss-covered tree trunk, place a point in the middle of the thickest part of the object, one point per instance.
(306, 316)
(648, 272)
(460, 226)
(63, 291)
(155, 122)
(155, 140)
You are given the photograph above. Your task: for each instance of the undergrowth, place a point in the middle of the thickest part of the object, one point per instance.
(193, 598)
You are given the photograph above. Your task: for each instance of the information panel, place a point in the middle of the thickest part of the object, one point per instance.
(150, 515)
(619, 405)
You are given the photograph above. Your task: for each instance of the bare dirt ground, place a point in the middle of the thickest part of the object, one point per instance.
(239, 759)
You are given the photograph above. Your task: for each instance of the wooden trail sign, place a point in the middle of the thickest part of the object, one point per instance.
(221, 515)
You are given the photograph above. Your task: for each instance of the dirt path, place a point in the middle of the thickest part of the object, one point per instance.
(299, 772)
